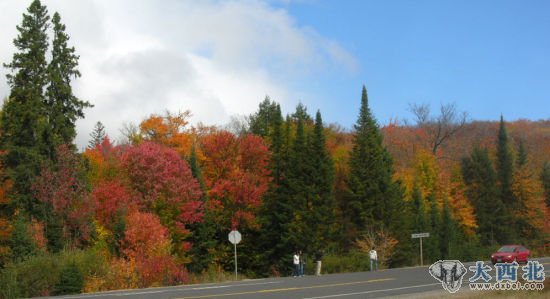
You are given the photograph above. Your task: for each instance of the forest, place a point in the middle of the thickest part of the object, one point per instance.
(155, 208)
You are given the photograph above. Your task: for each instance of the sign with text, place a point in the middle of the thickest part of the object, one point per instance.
(420, 235)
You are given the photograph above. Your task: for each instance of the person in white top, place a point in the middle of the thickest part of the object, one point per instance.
(373, 259)
(296, 264)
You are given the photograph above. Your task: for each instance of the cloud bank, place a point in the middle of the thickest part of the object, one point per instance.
(215, 58)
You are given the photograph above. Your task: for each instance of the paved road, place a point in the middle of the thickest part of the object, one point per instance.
(384, 283)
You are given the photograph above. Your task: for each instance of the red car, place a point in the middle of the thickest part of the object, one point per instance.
(511, 253)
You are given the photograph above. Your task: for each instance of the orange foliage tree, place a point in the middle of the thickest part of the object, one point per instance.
(236, 173)
(170, 130)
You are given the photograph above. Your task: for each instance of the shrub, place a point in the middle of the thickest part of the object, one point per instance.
(351, 262)
(70, 280)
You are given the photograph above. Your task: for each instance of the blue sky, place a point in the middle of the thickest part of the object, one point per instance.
(219, 59)
(490, 57)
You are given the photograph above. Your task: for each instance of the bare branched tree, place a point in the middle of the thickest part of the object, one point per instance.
(442, 127)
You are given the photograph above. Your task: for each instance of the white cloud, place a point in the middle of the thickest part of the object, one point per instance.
(216, 58)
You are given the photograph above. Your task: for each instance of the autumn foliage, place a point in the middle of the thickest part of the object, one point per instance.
(237, 176)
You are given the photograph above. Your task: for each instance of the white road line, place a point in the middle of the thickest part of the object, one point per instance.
(374, 291)
(169, 290)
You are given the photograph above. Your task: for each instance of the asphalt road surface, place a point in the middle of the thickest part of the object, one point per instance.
(384, 283)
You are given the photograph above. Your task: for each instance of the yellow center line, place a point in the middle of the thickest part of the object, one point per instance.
(289, 289)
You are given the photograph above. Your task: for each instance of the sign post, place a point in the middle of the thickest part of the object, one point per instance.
(235, 238)
(420, 236)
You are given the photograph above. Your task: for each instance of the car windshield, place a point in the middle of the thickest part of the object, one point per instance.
(507, 249)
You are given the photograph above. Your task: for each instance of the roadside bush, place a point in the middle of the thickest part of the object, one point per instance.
(70, 280)
(40, 275)
(351, 262)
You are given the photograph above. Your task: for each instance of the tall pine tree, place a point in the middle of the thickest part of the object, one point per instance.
(482, 191)
(374, 200)
(63, 107)
(321, 212)
(97, 135)
(23, 120)
(505, 173)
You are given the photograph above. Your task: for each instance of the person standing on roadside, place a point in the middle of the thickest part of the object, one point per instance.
(373, 259)
(318, 257)
(302, 263)
(296, 261)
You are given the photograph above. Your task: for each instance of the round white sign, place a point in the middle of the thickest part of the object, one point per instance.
(235, 237)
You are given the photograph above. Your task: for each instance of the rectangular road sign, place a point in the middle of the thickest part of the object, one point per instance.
(420, 235)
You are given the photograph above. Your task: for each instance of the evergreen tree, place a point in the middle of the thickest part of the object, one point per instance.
(203, 233)
(505, 173)
(277, 211)
(522, 155)
(321, 217)
(97, 135)
(446, 231)
(262, 122)
(23, 122)
(419, 224)
(374, 200)
(299, 168)
(545, 178)
(482, 191)
(372, 194)
(71, 280)
(63, 107)
(21, 243)
(432, 243)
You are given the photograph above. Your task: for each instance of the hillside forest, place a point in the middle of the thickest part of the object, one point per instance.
(155, 207)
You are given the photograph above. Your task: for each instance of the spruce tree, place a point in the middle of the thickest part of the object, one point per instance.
(372, 193)
(375, 201)
(299, 189)
(97, 135)
(522, 155)
(482, 191)
(203, 233)
(262, 122)
(419, 224)
(545, 178)
(321, 217)
(23, 120)
(63, 107)
(71, 280)
(446, 231)
(276, 210)
(432, 243)
(505, 173)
